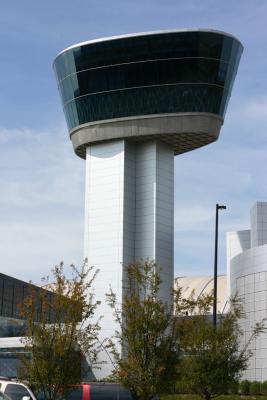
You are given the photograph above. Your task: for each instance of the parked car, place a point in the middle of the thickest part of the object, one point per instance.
(3, 396)
(15, 390)
(99, 391)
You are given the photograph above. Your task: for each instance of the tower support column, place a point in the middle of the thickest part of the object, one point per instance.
(129, 209)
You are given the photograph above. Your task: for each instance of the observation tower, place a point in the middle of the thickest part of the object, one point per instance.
(132, 103)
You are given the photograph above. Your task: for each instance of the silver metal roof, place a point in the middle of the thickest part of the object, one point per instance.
(203, 285)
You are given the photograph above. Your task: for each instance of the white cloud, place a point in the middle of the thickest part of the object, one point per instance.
(42, 196)
(247, 111)
(31, 248)
(41, 202)
(191, 217)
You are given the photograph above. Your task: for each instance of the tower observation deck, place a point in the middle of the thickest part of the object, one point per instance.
(132, 103)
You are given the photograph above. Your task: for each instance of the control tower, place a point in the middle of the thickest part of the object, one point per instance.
(132, 103)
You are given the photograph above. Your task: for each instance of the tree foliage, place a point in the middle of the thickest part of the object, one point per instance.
(163, 343)
(213, 359)
(148, 335)
(60, 329)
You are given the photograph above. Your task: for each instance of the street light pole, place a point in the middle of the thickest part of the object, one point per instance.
(218, 207)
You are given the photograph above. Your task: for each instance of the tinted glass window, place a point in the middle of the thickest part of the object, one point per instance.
(144, 101)
(75, 394)
(3, 396)
(145, 74)
(7, 310)
(16, 392)
(109, 392)
(18, 298)
(135, 76)
(140, 48)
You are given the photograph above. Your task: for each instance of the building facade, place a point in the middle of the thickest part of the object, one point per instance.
(247, 275)
(12, 325)
(131, 104)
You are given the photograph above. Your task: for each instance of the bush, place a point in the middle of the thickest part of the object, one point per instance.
(264, 387)
(255, 387)
(182, 388)
(244, 387)
(234, 389)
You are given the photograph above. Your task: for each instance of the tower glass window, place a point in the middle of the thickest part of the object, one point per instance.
(146, 74)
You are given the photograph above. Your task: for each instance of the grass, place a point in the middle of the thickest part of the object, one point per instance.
(225, 397)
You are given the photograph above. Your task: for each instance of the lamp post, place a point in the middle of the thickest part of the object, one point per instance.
(218, 207)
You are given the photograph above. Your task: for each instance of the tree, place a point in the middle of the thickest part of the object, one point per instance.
(148, 337)
(213, 359)
(60, 329)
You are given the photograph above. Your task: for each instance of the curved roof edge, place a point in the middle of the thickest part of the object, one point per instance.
(203, 285)
(109, 38)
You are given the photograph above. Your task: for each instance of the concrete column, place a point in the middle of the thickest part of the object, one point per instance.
(155, 208)
(129, 207)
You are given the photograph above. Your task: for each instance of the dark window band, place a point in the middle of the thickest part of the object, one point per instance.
(140, 48)
(145, 74)
(145, 101)
(191, 71)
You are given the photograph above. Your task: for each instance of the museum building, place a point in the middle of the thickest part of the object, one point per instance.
(12, 325)
(247, 276)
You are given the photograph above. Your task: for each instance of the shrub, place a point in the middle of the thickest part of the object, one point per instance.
(255, 387)
(264, 387)
(234, 389)
(182, 388)
(244, 387)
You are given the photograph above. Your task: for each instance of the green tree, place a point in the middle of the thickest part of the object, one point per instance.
(244, 387)
(148, 335)
(213, 359)
(60, 329)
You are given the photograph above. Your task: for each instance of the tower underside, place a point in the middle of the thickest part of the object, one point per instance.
(182, 131)
(129, 205)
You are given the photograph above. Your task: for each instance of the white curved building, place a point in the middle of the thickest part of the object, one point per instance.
(201, 285)
(247, 271)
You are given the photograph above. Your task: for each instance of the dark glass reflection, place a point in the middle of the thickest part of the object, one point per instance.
(144, 101)
(149, 47)
(12, 294)
(12, 327)
(145, 74)
(142, 75)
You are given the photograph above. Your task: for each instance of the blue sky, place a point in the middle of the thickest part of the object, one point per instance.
(42, 181)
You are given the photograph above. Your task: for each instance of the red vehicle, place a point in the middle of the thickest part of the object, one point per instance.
(99, 391)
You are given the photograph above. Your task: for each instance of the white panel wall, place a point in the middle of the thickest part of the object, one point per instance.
(236, 243)
(258, 220)
(146, 170)
(165, 217)
(104, 228)
(129, 211)
(249, 279)
(155, 209)
(248, 276)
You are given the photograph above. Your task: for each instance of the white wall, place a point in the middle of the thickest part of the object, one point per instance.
(248, 276)
(236, 243)
(258, 218)
(129, 208)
